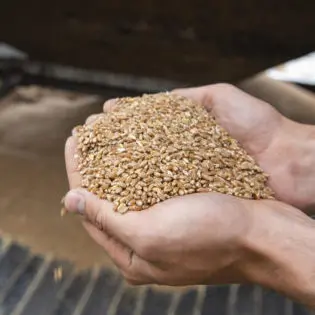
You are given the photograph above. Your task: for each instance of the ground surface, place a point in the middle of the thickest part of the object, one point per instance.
(28, 287)
(33, 127)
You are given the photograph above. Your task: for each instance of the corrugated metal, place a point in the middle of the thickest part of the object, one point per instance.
(28, 287)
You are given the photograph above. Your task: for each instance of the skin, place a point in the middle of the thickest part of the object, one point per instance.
(214, 238)
(283, 148)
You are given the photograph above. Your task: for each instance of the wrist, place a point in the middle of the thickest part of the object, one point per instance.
(280, 251)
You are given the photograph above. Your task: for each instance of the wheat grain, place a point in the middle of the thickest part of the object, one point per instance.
(155, 147)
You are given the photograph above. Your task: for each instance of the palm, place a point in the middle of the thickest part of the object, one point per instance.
(257, 126)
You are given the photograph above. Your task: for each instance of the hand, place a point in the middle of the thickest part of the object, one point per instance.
(195, 239)
(206, 239)
(188, 240)
(283, 148)
(192, 239)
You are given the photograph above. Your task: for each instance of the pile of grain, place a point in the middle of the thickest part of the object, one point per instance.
(155, 147)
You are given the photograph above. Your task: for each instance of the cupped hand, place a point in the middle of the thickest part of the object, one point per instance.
(283, 148)
(197, 238)
(187, 240)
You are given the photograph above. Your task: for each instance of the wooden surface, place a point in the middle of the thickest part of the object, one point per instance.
(190, 41)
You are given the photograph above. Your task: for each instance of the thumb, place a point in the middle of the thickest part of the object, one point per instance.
(100, 213)
(80, 201)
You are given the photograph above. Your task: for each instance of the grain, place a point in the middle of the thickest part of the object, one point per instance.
(58, 274)
(63, 210)
(155, 147)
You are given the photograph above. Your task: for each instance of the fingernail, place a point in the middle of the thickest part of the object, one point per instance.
(75, 202)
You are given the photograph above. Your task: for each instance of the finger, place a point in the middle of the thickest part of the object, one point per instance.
(93, 118)
(135, 269)
(201, 95)
(119, 253)
(109, 105)
(223, 95)
(100, 213)
(214, 94)
(73, 174)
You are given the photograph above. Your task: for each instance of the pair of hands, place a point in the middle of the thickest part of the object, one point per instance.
(206, 238)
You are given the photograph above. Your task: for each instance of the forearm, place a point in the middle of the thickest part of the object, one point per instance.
(281, 251)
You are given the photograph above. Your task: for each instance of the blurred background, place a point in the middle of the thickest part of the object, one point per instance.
(59, 61)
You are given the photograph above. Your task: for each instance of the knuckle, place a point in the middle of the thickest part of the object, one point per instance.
(90, 119)
(109, 105)
(105, 106)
